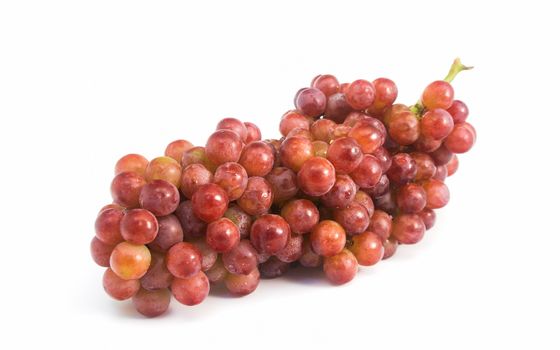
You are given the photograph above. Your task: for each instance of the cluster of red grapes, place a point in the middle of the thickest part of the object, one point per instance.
(353, 176)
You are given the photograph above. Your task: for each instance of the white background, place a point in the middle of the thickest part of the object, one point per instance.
(85, 82)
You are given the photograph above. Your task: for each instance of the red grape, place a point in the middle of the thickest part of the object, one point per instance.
(322, 129)
(169, 232)
(152, 303)
(380, 224)
(453, 165)
(341, 268)
(365, 201)
(429, 217)
(233, 178)
(100, 252)
(273, 268)
(316, 177)
(328, 238)
(184, 260)
(253, 132)
(367, 247)
(461, 139)
(311, 102)
(197, 155)
(320, 149)
(241, 285)
(130, 261)
(438, 94)
(158, 276)
(368, 136)
(283, 182)
(425, 167)
(403, 169)
(385, 94)
(131, 163)
(257, 158)
(390, 247)
(224, 146)
(160, 197)
(403, 127)
(301, 215)
(426, 145)
(408, 228)
(176, 149)
(354, 218)
(192, 226)
(360, 94)
(222, 235)
(125, 189)
(209, 202)
(309, 258)
(194, 175)
(191, 290)
(441, 173)
(119, 288)
(411, 198)
(269, 233)
(257, 198)
(292, 120)
(164, 168)
(242, 259)
(441, 156)
(108, 226)
(437, 194)
(459, 111)
(240, 218)
(345, 154)
(368, 173)
(337, 107)
(217, 272)
(293, 249)
(436, 124)
(341, 194)
(208, 255)
(327, 83)
(384, 157)
(139, 226)
(234, 125)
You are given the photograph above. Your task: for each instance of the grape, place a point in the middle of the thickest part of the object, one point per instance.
(437, 194)
(233, 178)
(353, 117)
(160, 197)
(257, 158)
(340, 268)
(368, 173)
(209, 202)
(404, 127)
(441, 173)
(453, 165)
(295, 151)
(139, 226)
(197, 155)
(224, 146)
(119, 288)
(130, 261)
(192, 226)
(208, 255)
(392, 111)
(386, 202)
(234, 125)
(368, 136)
(108, 226)
(269, 233)
(461, 139)
(292, 120)
(183, 260)
(253, 132)
(316, 177)
(311, 102)
(360, 94)
(341, 194)
(367, 247)
(309, 258)
(390, 247)
(408, 228)
(426, 145)
(273, 268)
(341, 130)
(380, 224)
(257, 198)
(365, 201)
(354, 218)
(100, 252)
(263, 257)
(425, 167)
(158, 276)
(429, 217)
(222, 235)
(381, 188)
(152, 303)
(441, 156)
(384, 158)
(110, 206)
(344, 154)
(169, 232)
(301, 215)
(131, 163)
(176, 149)
(322, 129)
(217, 272)
(327, 83)
(283, 182)
(337, 107)
(241, 285)
(320, 149)
(403, 169)
(438, 94)
(293, 249)
(191, 290)
(240, 218)
(436, 124)
(194, 175)
(299, 132)
(385, 94)
(125, 189)
(459, 111)
(164, 168)
(344, 87)
(411, 198)
(328, 238)
(242, 259)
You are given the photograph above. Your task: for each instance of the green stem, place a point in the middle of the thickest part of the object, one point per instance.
(455, 69)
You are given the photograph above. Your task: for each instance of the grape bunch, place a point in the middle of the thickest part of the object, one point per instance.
(353, 176)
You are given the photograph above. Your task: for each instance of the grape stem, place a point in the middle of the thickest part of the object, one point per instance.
(455, 69)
